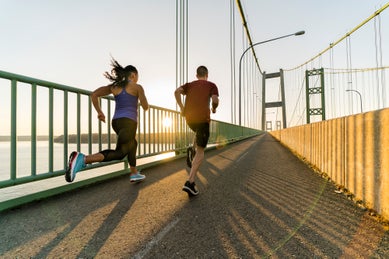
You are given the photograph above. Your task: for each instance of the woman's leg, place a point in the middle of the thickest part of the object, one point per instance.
(131, 155)
(126, 142)
(97, 157)
(121, 128)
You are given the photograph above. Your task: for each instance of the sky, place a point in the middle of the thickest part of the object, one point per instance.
(71, 42)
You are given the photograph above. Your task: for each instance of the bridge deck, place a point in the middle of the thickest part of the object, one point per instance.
(256, 199)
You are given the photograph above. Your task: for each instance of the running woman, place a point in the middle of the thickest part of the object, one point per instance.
(196, 110)
(127, 95)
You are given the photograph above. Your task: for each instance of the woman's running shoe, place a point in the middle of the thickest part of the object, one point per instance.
(76, 163)
(134, 178)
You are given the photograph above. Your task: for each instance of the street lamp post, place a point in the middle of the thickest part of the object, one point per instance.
(240, 66)
(360, 96)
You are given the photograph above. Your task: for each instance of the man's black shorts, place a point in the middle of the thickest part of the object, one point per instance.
(202, 133)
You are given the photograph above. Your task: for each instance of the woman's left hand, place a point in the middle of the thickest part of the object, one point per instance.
(101, 117)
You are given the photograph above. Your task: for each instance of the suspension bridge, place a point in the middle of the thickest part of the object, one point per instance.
(301, 175)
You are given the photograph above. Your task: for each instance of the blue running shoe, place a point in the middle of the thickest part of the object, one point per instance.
(76, 163)
(137, 177)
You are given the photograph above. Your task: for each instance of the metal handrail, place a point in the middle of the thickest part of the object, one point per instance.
(153, 136)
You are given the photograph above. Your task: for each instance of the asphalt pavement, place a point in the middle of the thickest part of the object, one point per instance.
(257, 200)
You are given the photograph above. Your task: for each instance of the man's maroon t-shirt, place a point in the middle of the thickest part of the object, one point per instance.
(198, 95)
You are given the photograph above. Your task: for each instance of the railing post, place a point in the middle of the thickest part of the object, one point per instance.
(66, 127)
(51, 131)
(33, 129)
(13, 129)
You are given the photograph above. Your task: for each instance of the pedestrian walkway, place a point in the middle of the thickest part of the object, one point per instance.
(256, 200)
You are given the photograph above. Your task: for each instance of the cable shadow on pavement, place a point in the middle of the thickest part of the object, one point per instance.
(74, 224)
(256, 200)
(265, 203)
(60, 223)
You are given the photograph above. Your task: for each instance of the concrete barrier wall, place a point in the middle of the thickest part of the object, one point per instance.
(353, 151)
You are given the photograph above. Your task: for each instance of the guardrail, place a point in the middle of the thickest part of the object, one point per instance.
(60, 119)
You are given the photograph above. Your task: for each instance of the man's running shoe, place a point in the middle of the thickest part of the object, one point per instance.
(190, 188)
(190, 153)
(134, 178)
(76, 163)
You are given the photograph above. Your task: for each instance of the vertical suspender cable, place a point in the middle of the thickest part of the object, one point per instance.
(182, 54)
(232, 57)
(381, 65)
(383, 94)
(177, 46)
(187, 39)
(247, 32)
(243, 84)
(345, 36)
(332, 88)
(182, 37)
(377, 62)
(349, 71)
(250, 44)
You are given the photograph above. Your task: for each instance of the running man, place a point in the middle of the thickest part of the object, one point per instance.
(196, 110)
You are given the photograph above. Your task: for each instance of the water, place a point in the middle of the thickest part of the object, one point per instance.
(23, 164)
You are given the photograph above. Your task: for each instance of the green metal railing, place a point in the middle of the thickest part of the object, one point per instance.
(160, 130)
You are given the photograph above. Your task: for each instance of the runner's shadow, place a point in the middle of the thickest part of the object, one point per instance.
(92, 200)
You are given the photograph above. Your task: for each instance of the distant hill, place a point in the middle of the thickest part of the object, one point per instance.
(23, 138)
(85, 138)
(153, 137)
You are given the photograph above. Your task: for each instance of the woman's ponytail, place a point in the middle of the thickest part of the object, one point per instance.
(119, 75)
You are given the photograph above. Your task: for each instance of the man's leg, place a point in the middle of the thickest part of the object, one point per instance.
(190, 153)
(197, 160)
(202, 135)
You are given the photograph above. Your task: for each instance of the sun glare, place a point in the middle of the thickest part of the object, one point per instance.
(167, 122)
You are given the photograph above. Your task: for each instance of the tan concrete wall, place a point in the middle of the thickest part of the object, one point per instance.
(353, 151)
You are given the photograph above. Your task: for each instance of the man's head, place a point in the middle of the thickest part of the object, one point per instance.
(202, 72)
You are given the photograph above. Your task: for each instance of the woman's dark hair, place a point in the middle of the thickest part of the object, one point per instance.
(119, 75)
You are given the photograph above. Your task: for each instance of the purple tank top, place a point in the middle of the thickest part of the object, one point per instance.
(126, 106)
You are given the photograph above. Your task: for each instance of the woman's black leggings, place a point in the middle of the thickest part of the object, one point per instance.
(126, 143)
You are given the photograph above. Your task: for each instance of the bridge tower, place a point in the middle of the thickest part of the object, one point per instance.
(276, 104)
(313, 91)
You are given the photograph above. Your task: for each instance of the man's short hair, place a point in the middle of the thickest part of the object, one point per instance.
(202, 71)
